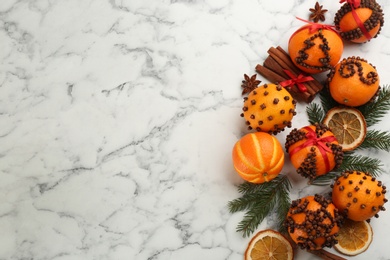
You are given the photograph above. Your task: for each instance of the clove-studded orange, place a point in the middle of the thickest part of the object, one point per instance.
(258, 157)
(315, 49)
(269, 108)
(313, 150)
(359, 22)
(353, 82)
(313, 222)
(358, 195)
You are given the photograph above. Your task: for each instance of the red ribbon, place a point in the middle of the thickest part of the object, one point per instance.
(296, 80)
(355, 4)
(317, 26)
(319, 142)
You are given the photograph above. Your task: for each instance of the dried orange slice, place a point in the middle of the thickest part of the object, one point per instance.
(348, 125)
(269, 245)
(354, 237)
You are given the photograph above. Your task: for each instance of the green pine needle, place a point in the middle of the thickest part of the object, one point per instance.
(260, 200)
(377, 140)
(314, 113)
(374, 111)
(351, 162)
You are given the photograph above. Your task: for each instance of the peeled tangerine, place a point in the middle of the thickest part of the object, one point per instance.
(313, 150)
(358, 195)
(315, 48)
(353, 82)
(313, 222)
(361, 23)
(258, 157)
(269, 108)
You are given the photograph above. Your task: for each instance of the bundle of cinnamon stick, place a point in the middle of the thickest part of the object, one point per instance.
(274, 69)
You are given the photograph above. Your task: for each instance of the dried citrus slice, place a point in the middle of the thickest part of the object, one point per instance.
(354, 237)
(269, 244)
(348, 125)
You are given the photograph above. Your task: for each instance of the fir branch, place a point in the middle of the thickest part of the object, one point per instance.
(354, 162)
(374, 111)
(361, 163)
(257, 213)
(259, 200)
(326, 179)
(376, 139)
(327, 102)
(314, 113)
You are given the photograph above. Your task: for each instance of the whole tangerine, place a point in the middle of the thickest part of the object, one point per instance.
(258, 157)
(315, 50)
(359, 24)
(353, 82)
(269, 108)
(313, 222)
(313, 150)
(358, 195)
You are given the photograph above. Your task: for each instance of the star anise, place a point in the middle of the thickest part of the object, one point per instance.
(317, 13)
(249, 84)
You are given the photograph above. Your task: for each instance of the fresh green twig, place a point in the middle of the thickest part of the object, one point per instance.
(259, 200)
(374, 111)
(377, 139)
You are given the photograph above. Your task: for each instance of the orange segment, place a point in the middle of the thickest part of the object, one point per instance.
(354, 237)
(269, 245)
(348, 125)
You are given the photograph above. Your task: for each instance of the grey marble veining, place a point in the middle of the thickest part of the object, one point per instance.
(117, 121)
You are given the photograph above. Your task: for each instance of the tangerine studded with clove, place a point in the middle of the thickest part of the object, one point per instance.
(313, 222)
(315, 51)
(258, 157)
(313, 150)
(359, 24)
(353, 82)
(269, 108)
(358, 195)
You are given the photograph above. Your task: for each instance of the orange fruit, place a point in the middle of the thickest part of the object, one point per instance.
(313, 150)
(269, 245)
(348, 125)
(315, 51)
(258, 157)
(358, 195)
(313, 222)
(269, 108)
(354, 237)
(362, 25)
(353, 82)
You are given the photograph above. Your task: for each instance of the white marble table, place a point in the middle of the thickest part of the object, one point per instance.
(118, 118)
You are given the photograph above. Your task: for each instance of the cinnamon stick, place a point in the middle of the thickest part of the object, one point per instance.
(317, 85)
(284, 60)
(325, 255)
(275, 77)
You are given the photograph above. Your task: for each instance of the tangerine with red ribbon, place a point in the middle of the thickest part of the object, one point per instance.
(313, 150)
(359, 20)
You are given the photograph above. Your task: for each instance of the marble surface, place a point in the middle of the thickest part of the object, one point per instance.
(117, 121)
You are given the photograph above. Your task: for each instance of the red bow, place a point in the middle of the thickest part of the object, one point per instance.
(296, 80)
(317, 26)
(319, 142)
(354, 3)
